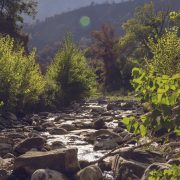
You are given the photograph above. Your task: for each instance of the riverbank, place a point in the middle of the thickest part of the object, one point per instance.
(70, 141)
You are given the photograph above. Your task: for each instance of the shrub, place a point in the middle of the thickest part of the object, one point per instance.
(21, 82)
(70, 75)
(166, 174)
(159, 86)
(166, 53)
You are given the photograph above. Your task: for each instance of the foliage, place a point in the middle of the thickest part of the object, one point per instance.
(20, 77)
(163, 94)
(15, 9)
(104, 49)
(146, 22)
(69, 72)
(159, 86)
(11, 17)
(166, 53)
(166, 174)
(115, 67)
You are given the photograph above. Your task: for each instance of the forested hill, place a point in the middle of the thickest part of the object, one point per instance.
(47, 35)
(54, 28)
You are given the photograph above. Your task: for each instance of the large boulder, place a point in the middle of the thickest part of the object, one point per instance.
(89, 173)
(28, 144)
(47, 174)
(62, 160)
(124, 169)
(132, 164)
(138, 155)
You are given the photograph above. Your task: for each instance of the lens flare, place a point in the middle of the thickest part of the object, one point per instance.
(85, 21)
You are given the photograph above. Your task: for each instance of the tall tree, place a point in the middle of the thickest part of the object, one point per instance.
(104, 49)
(11, 17)
(69, 77)
(148, 21)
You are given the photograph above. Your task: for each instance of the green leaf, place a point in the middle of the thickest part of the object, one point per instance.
(143, 130)
(136, 72)
(126, 121)
(143, 118)
(177, 130)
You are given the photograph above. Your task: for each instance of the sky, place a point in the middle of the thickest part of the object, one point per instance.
(47, 8)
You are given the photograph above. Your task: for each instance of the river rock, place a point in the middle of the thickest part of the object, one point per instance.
(8, 155)
(9, 116)
(5, 123)
(124, 169)
(106, 164)
(6, 145)
(16, 135)
(84, 163)
(3, 174)
(105, 142)
(67, 127)
(28, 144)
(98, 109)
(38, 128)
(48, 125)
(89, 173)
(62, 160)
(108, 118)
(44, 114)
(58, 131)
(112, 106)
(105, 132)
(122, 105)
(57, 145)
(99, 124)
(132, 164)
(47, 174)
(105, 145)
(146, 157)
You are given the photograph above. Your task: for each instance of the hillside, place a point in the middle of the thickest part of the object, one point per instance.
(47, 35)
(47, 8)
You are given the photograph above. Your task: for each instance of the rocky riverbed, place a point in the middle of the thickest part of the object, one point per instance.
(67, 144)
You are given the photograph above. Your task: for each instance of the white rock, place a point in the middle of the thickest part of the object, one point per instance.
(47, 174)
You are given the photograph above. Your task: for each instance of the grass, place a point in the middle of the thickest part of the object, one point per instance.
(117, 96)
(122, 98)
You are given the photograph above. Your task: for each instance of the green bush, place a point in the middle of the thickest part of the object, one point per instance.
(172, 173)
(69, 77)
(21, 82)
(163, 95)
(159, 85)
(166, 53)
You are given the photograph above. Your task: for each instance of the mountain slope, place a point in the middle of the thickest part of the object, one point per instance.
(47, 8)
(47, 35)
(54, 28)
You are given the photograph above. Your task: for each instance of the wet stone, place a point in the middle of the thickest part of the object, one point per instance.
(58, 131)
